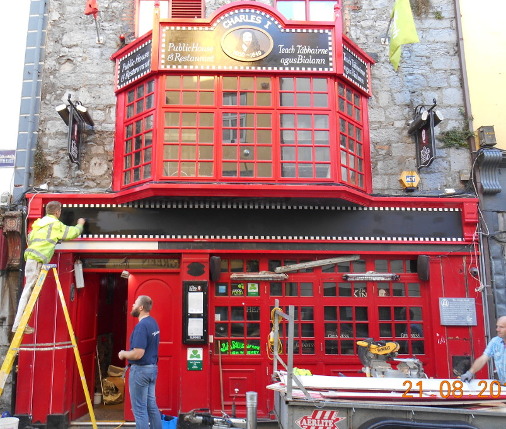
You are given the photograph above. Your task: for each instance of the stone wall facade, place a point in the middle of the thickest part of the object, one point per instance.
(76, 64)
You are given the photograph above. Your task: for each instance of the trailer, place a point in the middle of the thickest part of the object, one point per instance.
(382, 402)
(316, 414)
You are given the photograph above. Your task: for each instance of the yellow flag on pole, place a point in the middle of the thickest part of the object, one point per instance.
(403, 30)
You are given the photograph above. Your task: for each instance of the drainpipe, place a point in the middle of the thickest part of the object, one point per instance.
(34, 92)
(462, 57)
(475, 173)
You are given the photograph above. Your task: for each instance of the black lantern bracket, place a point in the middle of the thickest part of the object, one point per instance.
(426, 118)
(77, 118)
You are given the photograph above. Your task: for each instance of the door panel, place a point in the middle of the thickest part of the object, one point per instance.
(165, 290)
(85, 330)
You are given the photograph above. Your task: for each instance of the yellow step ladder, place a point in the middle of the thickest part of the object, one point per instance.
(14, 348)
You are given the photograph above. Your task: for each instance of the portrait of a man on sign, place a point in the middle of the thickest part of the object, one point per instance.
(246, 43)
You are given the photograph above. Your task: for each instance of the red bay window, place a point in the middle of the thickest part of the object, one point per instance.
(241, 128)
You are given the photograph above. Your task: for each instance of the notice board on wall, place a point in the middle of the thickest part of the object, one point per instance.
(457, 311)
(195, 312)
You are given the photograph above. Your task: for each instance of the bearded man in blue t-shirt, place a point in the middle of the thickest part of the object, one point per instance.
(143, 359)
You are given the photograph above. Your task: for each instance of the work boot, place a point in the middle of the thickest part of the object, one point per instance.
(29, 330)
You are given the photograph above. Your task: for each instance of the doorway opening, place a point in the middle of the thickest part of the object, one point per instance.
(108, 391)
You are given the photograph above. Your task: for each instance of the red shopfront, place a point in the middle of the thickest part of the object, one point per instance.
(332, 313)
(227, 163)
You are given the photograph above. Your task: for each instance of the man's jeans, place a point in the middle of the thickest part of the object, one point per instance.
(32, 271)
(142, 396)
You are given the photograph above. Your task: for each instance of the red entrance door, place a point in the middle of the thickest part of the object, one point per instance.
(165, 290)
(85, 331)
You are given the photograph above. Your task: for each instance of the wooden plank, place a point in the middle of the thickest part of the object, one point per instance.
(320, 263)
(486, 389)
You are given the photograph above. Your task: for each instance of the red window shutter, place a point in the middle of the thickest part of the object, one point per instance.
(187, 8)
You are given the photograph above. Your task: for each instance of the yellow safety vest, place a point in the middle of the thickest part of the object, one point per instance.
(46, 233)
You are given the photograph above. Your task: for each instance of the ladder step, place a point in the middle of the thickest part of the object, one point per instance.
(47, 267)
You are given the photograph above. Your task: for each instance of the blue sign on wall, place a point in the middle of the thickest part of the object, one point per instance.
(7, 158)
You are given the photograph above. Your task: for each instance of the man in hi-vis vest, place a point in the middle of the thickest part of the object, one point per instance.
(46, 233)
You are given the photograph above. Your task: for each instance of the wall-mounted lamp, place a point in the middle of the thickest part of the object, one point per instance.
(371, 276)
(64, 113)
(422, 128)
(83, 111)
(75, 115)
(125, 274)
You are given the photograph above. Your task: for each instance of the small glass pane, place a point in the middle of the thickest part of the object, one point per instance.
(236, 265)
(345, 313)
(205, 136)
(359, 266)
(331, 347)
(322, 154)
(172, 119)
(347, 347)
(190, 82)
(397, 266)
(264, 153)
(304, 121)
(306, 313)
(381, 266)
(385, 330)
(263, 99)
(206, 98)
(330, 313)
(221, 330)
(230, 83)
(287, 82)
(205, 169)
(189, 168)
(288, 153)
(237, 330)
(385, 313)
(287, 99)
(361, 314)
(206, 82)
(398, 289)
(321, 100)
(189, 98)
(321, 10)
(276, 289)
(303, 100)
(329, 289)
(291, 289)
(205, 152)
(172, 82)
(171, 135)
(362, 330)
(303, 83)
(344, 289)
(237, 313)
(413, 289)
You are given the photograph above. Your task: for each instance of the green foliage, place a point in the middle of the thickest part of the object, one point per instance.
(438, 15)
(420, 7)
(40, 165)
(456, 138)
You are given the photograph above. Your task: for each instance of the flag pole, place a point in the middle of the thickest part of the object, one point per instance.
(99, 39)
